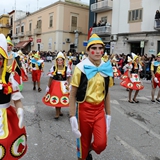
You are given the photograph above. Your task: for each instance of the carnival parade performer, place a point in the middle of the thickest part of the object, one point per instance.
(127, 67)
(133, 81)
(116, 71)
(36, 66)
(57, 91)
(90, 101)
(155, 71)
(13, 140)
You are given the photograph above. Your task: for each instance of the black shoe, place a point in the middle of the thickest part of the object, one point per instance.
(89, 156)
(157, 100)
(34, 88)
(39, 89)
(152, 100)
(135, 101)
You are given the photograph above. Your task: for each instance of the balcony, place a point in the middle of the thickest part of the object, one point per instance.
(37, 31)
(102, 30)
(15, 36)
(75, 29)
(29, 33)
(101, 6)
(157, 24)
(21, 34)
(4, 25)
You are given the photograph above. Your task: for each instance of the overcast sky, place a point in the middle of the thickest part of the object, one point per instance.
(26, 5)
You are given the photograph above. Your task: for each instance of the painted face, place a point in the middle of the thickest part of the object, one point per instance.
(1, 61)
(60, 61)
(9, 47)
(158, 58)
(96, 51)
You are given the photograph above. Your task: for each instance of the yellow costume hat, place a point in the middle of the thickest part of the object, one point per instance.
(9, 41)
(129, 59)
(3, 52)
(37, 55)
(134, 56)
(94, 39)
(158, 55)
(60, 55)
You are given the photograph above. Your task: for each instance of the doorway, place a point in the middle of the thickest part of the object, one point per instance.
(135, 48)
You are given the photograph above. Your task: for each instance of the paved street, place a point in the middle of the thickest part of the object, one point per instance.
(134, 134)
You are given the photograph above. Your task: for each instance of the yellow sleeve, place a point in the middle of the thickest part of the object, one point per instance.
(76, 77)
(110, 81)
(152, 67)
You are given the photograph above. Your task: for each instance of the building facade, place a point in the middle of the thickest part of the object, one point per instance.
(4, 24)
(60, 26)
(133, 26)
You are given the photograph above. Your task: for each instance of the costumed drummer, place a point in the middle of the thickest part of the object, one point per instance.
(13, 140)
(90, 92)
(57, 91)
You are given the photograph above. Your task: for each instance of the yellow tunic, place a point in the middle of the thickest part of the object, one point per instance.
(95, 91)
(158, 68)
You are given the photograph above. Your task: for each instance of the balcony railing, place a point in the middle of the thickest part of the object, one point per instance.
(15, 36)
(29, 33)
(21, 34)
(37, 31)
(102, 30)
(157, 24)
(4, 25)
(75, 29)
(101, 6)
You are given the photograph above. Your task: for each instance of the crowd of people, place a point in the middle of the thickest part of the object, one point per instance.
(85, 91)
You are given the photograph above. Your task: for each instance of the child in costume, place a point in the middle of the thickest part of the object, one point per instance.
(90, 100)
(13, 140)
(133, 81)
(57, 91)
(36, 66)
(155, 71)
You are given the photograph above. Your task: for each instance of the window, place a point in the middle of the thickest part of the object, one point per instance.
(22, 29)
(104, 19)
(51, 21)
(39, 24)
(135, 15)
(74, 21)
(30, 26)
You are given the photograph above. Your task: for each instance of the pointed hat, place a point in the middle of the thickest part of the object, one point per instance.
(60, 55)
(94, 39)
(3, 46)
(9, 41)
(134, 56)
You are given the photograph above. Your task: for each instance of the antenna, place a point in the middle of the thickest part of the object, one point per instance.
(15, 4)
(37, 4)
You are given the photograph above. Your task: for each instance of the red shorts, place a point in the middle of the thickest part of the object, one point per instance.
(36, 75)
(154, 83)
(92, 122)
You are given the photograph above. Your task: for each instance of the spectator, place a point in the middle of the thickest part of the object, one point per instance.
(157, 18)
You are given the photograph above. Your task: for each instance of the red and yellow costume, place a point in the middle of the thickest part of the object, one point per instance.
(58, 94)
(155, 67)
(90, 109)
(13, 140)
(132, 82)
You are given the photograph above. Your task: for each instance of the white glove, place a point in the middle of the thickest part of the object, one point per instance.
(74, 126)
(156, 80)
(108, 122)
(47, 89)
(20, 114)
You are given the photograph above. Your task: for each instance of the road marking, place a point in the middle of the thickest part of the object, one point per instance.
(30, 108)
(138, 123)
(131, 149)
(114, 102)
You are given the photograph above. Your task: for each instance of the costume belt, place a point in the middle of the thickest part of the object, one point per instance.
(5, 105)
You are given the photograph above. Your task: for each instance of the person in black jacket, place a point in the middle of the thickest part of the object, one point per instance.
(157, 18)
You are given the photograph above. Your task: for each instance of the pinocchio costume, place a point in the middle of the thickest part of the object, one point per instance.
(12, 138)
(92, 85)
(58, 94)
